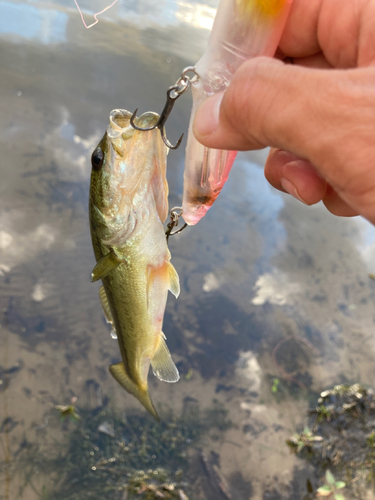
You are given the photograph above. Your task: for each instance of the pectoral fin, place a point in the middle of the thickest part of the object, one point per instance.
(119, 373)
(104, 266)
(162, 363)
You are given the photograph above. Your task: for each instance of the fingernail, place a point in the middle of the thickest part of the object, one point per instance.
(291, 189)
(206, 118)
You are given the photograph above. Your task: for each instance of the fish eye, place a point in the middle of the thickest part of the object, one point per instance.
(97, 159)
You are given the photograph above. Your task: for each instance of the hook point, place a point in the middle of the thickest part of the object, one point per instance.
(134, 115)
(144, 129)
(168, 144)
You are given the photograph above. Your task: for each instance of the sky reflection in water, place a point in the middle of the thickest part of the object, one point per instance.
(46, 26)
(49, 25)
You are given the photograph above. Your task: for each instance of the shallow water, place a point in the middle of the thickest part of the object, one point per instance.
(271, 290)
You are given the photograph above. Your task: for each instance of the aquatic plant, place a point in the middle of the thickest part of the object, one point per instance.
(68, 411)
(108, 454)
(344, 414)
(305, 439)
(324, 412)
(153, 484)
(275, 385)
(370, 441)
(332, 487)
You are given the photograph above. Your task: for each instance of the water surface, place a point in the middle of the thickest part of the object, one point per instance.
(271, 290)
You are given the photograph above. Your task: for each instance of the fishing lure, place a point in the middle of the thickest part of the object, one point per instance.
(242, 29)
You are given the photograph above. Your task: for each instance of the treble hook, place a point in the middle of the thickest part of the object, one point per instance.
(163, 117)
(174, 220)
(181, 86)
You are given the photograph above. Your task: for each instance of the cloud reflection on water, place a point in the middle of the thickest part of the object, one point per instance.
(70, 151)
(275, 288)
(366, 243)
(199, 16)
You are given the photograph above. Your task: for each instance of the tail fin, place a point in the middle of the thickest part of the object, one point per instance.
(119, 373)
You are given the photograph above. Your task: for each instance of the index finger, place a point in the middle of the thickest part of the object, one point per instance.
(332, 27)
(300, 38)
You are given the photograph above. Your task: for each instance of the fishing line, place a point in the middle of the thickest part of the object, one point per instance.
(95, 15)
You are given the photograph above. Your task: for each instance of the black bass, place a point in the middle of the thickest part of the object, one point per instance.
(127, 208)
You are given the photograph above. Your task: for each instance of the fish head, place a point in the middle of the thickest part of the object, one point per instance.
(128, 176)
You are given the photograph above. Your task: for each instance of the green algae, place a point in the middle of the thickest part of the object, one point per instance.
(107, 454)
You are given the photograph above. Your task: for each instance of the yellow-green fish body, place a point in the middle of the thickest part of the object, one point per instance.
(128, 204)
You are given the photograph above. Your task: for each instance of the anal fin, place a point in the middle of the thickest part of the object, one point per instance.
(174, 280)
(104, 266)
(119, 373)
(162, 363)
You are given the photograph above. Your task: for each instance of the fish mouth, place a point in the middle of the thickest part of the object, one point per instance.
(120, 119)
(148, 119)
(119, 123)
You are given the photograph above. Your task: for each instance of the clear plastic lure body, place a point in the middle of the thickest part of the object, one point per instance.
(242, 29)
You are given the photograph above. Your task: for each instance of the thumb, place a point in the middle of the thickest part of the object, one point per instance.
(325, 116)
(229, 120)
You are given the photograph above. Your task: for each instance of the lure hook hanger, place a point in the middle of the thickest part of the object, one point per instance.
(173, 93)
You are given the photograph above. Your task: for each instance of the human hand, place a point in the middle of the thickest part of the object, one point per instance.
(318, 114)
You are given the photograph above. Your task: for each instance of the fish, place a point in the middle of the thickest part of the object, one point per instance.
(128, 204)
